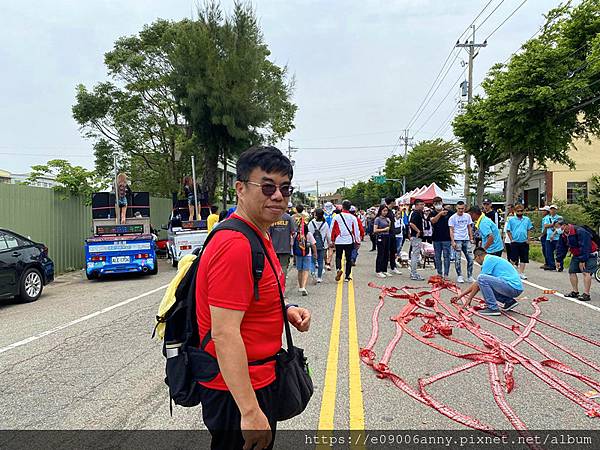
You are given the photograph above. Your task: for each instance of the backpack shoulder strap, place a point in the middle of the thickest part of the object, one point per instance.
(258, 255)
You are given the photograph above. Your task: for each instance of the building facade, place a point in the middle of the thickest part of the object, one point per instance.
(16, 178)
(558, 182)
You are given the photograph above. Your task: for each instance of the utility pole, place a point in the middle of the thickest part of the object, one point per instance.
(318, 194)
(291, 151)
(407, 141)
(470, 46)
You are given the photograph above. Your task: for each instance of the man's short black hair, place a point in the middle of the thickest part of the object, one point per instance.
(475, 209)
(346, 204)
(460, 203)
(418, 201)
(479, 251)
(389, 200)
(267, 158)
(214, 209)
(299, 208)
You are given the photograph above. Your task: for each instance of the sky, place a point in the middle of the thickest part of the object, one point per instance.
(362, 68)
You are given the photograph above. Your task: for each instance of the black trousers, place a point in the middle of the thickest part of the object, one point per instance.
(347, 250)
(222, 416)
(383, 253)
(373, 237)
(392, 250)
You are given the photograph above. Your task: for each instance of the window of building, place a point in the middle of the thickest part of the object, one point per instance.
(575, 190)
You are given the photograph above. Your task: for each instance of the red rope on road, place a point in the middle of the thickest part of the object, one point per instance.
(441, 319)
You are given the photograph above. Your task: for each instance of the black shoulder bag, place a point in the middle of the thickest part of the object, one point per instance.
(294, 385)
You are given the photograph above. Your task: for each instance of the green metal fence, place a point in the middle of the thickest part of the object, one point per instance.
(61, 224)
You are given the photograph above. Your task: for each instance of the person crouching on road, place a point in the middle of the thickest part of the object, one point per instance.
(499, 281)
(579, 242)
(239, 405)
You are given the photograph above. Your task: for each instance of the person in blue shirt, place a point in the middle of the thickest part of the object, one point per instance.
(498, 281)
(488, 230)
(545, 213)
(517, 229)
(551, 238)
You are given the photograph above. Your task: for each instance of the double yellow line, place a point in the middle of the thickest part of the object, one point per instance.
(326, 418)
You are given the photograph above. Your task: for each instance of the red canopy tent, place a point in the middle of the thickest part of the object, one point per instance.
(428, 194)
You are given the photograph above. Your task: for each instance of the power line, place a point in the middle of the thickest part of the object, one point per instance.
(506, 20)
(425, 100)
(347, 148)
(442, 101)
(490, 15)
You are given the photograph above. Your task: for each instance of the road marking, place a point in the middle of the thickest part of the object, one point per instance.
(76, 321)
(331, 373)
(558, 294)
(357, 414)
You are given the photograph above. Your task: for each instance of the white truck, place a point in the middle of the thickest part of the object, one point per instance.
(184, 239)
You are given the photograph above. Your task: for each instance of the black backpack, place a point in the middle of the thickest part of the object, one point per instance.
(320, 242)
(187, 362)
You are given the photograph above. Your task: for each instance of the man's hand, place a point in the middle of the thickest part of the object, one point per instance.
(299, 318)
(582, 267)
(256, 430)
(454, 245)
(557, 265)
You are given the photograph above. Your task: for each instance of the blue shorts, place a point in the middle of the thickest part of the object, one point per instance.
(591, 265)
(122, 202)
(302, 262)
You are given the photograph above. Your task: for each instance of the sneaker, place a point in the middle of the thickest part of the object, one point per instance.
(572, 294)
(489, 312)
(508, 306)
(338, 275)
(328, 267)
(304, 292)
(543, 266)
(551, 269)
(387, 274)
(470, 280)
(380, 275)
(417, 277)
(584, 297)
(319, 280)
(561, 269)
(522, 276)
(460, 279)
(397, 272)
(347, 279)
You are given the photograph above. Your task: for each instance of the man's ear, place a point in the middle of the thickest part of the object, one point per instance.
(240, 187)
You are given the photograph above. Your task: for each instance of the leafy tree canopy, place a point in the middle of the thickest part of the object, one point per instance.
(72, 180)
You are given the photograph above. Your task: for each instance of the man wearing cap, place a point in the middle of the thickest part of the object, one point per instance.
(584, 251)
(490, 235)
(545, 212)
(551, 238)
(490, 212)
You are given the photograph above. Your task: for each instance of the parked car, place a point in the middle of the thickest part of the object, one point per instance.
(25, 267)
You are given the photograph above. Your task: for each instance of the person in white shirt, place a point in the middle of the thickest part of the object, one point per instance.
(345, 235)
(461, 237)
(319, 228)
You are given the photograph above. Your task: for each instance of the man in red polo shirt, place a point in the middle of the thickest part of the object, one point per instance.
(238, 405)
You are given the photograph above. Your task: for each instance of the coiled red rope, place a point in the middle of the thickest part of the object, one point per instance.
(439, 319)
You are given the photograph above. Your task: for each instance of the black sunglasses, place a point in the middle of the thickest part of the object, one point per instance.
(268, 189)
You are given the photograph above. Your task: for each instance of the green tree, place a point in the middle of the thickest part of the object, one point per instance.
(471, 129)
(136, 113)
(428, 162)
(591, 204)
(230, 92)
(72, 180)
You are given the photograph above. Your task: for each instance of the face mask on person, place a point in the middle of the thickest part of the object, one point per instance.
(438, 206)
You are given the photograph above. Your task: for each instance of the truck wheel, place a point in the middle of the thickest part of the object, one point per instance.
(91, 276)
(597, 275)
(155, 270)
(30, 286)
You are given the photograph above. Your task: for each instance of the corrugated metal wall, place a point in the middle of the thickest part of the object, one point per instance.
(61, 224)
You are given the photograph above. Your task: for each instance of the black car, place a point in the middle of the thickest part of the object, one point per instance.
(25, 267)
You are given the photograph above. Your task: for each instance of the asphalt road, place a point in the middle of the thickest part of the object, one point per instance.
(81, 357)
